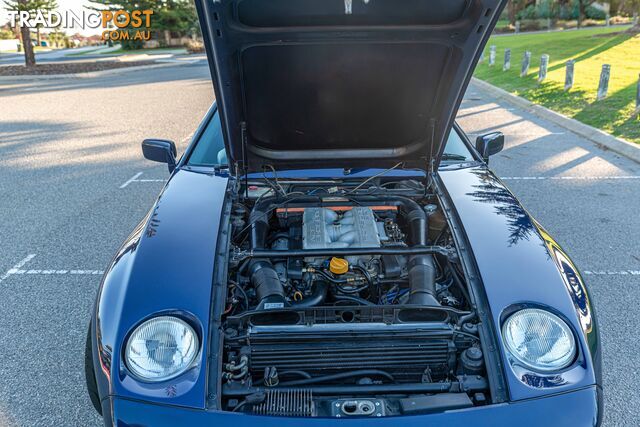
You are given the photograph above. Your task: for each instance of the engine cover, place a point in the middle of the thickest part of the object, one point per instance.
(324, 228)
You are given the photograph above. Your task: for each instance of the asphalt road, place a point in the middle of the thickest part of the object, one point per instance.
(48, 56)
(73, 184)
(72, 55)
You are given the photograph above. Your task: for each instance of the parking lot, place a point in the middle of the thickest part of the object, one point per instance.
(73, 184)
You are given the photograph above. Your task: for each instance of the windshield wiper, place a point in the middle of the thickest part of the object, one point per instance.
(451, 156)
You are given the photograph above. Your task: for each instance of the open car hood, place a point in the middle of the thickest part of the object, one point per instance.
(341, 83)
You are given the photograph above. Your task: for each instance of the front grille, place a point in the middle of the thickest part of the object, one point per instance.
(286, 403)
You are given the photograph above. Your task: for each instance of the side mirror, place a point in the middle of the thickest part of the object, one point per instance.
(160, 150)
(489, 144)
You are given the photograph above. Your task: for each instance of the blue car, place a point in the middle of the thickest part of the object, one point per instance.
(332, 250)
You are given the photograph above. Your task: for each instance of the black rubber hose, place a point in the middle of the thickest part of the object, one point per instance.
(317, 297)
(341, 376)
(365, 273)
(422, 281)
(330, 278)
(263, 276)
(374, 291)
(266, 282)
(458, 282)
(299, 373)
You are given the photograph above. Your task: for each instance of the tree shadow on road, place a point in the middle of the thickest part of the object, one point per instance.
(198, 73)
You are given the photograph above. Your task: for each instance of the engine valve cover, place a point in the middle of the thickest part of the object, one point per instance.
(324, 228)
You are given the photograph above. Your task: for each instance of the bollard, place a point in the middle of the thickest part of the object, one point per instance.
(603, 85)
(517, 27)
(526, 60)
(549, 24)
(568, 77)
(481, 59)
(635, 18)
(492, 55)
(542, 72)
(507, 60)
(607, 20)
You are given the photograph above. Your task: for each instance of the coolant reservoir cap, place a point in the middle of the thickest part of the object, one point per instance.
(338, 265)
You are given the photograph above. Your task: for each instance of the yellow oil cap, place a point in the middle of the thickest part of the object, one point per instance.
(338, 265)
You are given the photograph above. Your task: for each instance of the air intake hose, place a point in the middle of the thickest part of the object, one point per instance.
(422, 280)
(263, 276)
(266, 282)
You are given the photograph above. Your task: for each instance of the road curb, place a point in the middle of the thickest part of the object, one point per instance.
(597, 136)
(89, 75)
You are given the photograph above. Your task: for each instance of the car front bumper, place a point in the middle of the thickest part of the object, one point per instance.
(580, 408)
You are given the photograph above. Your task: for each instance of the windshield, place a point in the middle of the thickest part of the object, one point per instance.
(210, 150)
(456, 150)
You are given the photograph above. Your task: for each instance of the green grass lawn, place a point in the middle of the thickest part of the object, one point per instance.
(590, 49)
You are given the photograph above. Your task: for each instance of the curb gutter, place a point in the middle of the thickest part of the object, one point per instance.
(88, 75)
(600, 138)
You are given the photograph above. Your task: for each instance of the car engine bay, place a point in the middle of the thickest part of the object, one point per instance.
(346, 300)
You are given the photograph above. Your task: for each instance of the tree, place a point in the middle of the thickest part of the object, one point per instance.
(129, 6)
(44, 6)
(633, 6)
(582, 10)
(57, 38)
(168, 16)
(513, 7)
(6, 34)
(25, 32)
(178, 16)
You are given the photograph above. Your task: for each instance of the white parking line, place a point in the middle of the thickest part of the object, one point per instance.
(586, 178)
(17, 267)
(58, 272)
(130, 180)
(612, 273)
(49, 272)
(136, 178)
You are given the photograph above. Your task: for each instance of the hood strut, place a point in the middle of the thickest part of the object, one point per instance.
(243, 167)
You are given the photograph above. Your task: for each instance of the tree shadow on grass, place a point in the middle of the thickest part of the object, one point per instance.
(553, 96)
(609, 44)
(614, 114)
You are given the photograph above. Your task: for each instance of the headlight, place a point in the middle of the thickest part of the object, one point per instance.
(161, 348)
(539, 339)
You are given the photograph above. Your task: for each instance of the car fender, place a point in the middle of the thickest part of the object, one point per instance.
(164, 267)
(520, 265)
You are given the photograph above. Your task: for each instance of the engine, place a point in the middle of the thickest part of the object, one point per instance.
(346, 306)
(328, 228)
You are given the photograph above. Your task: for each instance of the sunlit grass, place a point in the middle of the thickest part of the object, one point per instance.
(590, 49)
